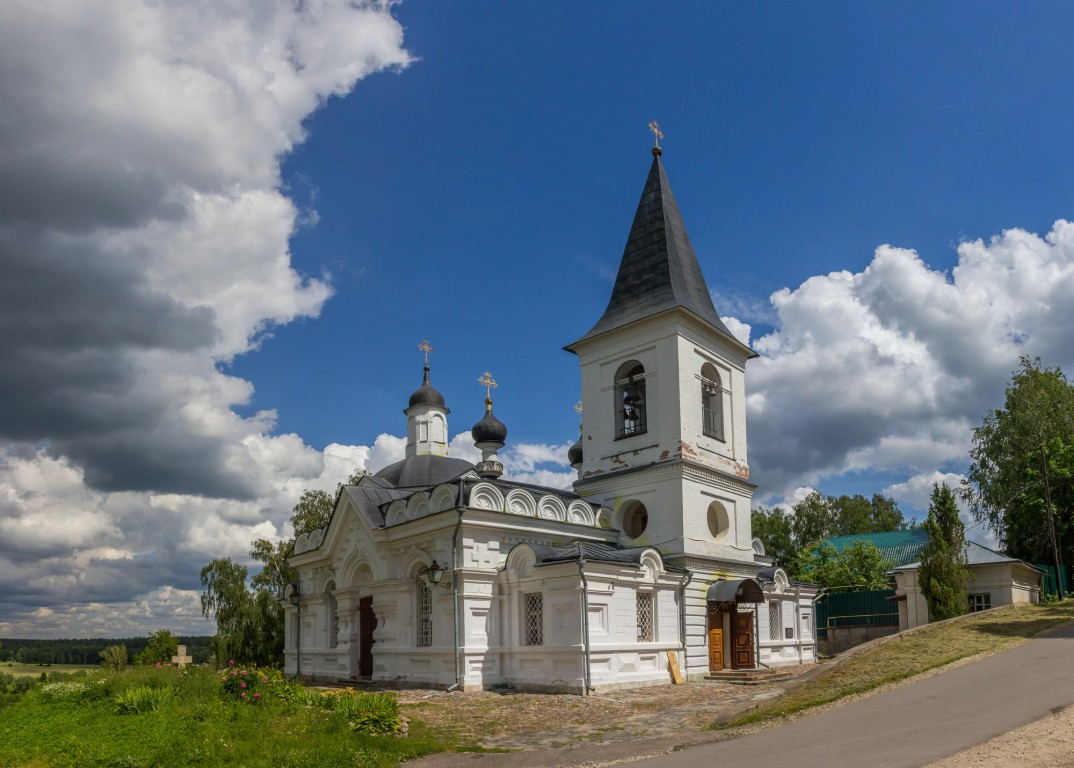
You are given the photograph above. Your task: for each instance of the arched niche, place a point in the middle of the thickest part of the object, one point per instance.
(444, 497)
(520, 561)
(396, 513)
(652, 565)
(580, 513)
(552, 508)
(520, 502)
(486, 496)
(417, 506)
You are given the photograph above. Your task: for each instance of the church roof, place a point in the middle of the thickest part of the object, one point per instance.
(659, 270)
(591, 552)
(422, 471)
(977, 555)
(901, 546)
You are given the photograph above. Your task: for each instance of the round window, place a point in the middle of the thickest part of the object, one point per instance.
(719, 522)
(635, 519)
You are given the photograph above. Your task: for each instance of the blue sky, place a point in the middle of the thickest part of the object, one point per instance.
(492, 182)
(225, 231)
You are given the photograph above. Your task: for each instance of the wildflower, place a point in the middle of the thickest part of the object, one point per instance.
(242, 695)
(242, 685)
(257, 695)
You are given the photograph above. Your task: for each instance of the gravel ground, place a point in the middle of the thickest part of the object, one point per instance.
(1047, 743)
(542, 721)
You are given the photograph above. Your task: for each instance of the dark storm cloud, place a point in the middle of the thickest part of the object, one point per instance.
(69, 319)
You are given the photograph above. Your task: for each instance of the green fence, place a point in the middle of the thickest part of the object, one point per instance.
(854, 609)
(1047, 580)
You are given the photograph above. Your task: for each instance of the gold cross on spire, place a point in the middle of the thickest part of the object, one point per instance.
(426, 347)
(657, 133)
(578, 407)
(489, 383)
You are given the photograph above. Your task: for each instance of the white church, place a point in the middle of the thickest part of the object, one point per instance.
(438, 572)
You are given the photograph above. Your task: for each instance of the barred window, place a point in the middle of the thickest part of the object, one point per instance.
(645, 617)
(980, 602)
(533, 623)
(425, 615)
(775, 620)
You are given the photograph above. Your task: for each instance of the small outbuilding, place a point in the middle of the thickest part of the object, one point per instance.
(995, 580)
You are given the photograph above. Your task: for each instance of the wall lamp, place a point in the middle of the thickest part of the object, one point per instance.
(296, 595)
(434, 574)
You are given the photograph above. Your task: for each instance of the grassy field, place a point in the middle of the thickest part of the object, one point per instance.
(913, 654)
(186, 719)
(35, 670)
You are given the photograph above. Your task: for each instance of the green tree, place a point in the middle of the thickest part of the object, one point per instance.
(943, 572)
(114, 657)
(773, 527)
(314, 508)
(813, 520)
(161, 647)
(1022, 465)
(859, 565)
(818, 517)
(227, 597)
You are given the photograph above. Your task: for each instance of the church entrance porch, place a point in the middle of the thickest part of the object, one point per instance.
(731, 616)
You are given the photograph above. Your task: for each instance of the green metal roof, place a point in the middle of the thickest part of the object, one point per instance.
(901, 546)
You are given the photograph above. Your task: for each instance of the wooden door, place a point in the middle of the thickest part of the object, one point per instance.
(715, 650)
(367, 622)
(742, 641)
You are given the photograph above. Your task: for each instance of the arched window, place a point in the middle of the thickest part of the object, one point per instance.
(630, 400)
(711, 402)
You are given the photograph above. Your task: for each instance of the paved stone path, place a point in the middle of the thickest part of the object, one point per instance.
(673, 721)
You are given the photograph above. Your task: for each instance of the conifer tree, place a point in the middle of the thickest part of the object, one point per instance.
(942, 572)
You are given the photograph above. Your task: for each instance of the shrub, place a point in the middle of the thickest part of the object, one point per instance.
(247, 683)
(142, 698)
(376, 714)
(64, 691)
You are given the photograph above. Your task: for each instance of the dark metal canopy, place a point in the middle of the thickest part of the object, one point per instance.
(735, 591)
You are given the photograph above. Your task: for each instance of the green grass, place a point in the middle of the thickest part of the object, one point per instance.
(76, 723)
(913, 654)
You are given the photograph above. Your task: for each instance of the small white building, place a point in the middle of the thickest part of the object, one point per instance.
(440, 572)
(994, 580)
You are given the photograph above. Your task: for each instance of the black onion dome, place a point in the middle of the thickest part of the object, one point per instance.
(574, 453)
(426, 394)
(489, 429)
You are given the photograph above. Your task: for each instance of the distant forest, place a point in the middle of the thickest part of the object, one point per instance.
(87, 651)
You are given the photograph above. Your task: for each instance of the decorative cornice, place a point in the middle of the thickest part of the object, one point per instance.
(684, 467)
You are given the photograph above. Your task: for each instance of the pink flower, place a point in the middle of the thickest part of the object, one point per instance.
(257, 695)
(242, 685)
(242, 695)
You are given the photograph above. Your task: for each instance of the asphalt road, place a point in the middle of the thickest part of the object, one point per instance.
(913, 725)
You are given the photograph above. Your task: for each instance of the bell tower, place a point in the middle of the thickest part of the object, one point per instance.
(663, 382)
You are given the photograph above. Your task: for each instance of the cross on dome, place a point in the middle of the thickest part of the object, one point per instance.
(426, 347)
(489, 383)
